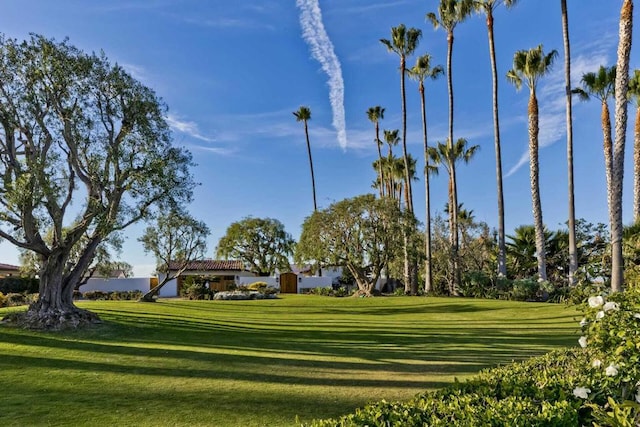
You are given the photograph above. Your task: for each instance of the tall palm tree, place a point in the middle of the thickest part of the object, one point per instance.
(403, 43)
(375, 114)
(420, 72)
(600, 85)
(573, 249)
(450, 14)
(447, 155)
(304, 115)
(621, 88)
(528, 67)
(634, 94)
(487, 7)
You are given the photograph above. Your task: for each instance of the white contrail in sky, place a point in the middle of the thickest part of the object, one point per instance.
(321, 47)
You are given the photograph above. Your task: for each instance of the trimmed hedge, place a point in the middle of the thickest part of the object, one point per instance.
(113, 295)
(19, 285)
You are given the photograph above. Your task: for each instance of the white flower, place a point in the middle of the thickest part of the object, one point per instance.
(611, 306)
(596, 301)
(584, 322)
(599, 315)
(612, 370)
(583, 342)
(581, 392)
(637, 315)
(596, 363)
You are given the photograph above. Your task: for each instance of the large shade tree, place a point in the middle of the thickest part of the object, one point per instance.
(488, 7)
(176, 239)
(103, 263)
(528, 67)
(262, 244)
(362, 234)
(85, 151)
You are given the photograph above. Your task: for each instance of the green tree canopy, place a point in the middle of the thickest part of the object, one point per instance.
(362, 234)
(175, 239)
(261, 243)
(85, 151)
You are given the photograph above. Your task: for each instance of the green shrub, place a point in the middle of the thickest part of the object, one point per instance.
(476, 284)
(196, 291)
(524, 290)
(96, 295)
(14, 299)
(17, 285)
(2, 300)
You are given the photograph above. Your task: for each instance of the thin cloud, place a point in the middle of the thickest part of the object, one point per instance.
(315, 35)
(552, 99)
(216, 150)
(376, 7)
(187, 127)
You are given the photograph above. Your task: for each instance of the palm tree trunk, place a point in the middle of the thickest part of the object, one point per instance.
(621, 89)
(573, 251)
(410, 262)
(636, 164)
(407, 177)
(313, 179)
(502, 251)
(453, 212)
(605, 118)
(428, 280)
(535, 185)
(380, 170)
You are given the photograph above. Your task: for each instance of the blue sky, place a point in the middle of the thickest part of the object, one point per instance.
(232, 73)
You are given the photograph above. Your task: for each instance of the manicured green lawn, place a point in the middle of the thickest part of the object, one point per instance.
(261, 363)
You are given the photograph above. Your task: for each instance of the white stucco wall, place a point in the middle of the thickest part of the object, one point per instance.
(110, 285)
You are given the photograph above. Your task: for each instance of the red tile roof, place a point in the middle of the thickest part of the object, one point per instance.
(210, 265)
(9, 267)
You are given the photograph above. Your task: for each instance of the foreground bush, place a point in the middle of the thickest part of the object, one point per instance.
(598, 384)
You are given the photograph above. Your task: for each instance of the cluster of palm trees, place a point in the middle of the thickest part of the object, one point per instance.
(395, 174)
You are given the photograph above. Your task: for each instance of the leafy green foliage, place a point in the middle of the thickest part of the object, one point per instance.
(85, 152)
(112, 295)
(362, 234)
(19, 285)
(195, 289)
(175, 239)
(261, 243)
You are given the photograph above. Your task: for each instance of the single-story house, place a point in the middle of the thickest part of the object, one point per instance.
(8, 270)
(220, 274)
